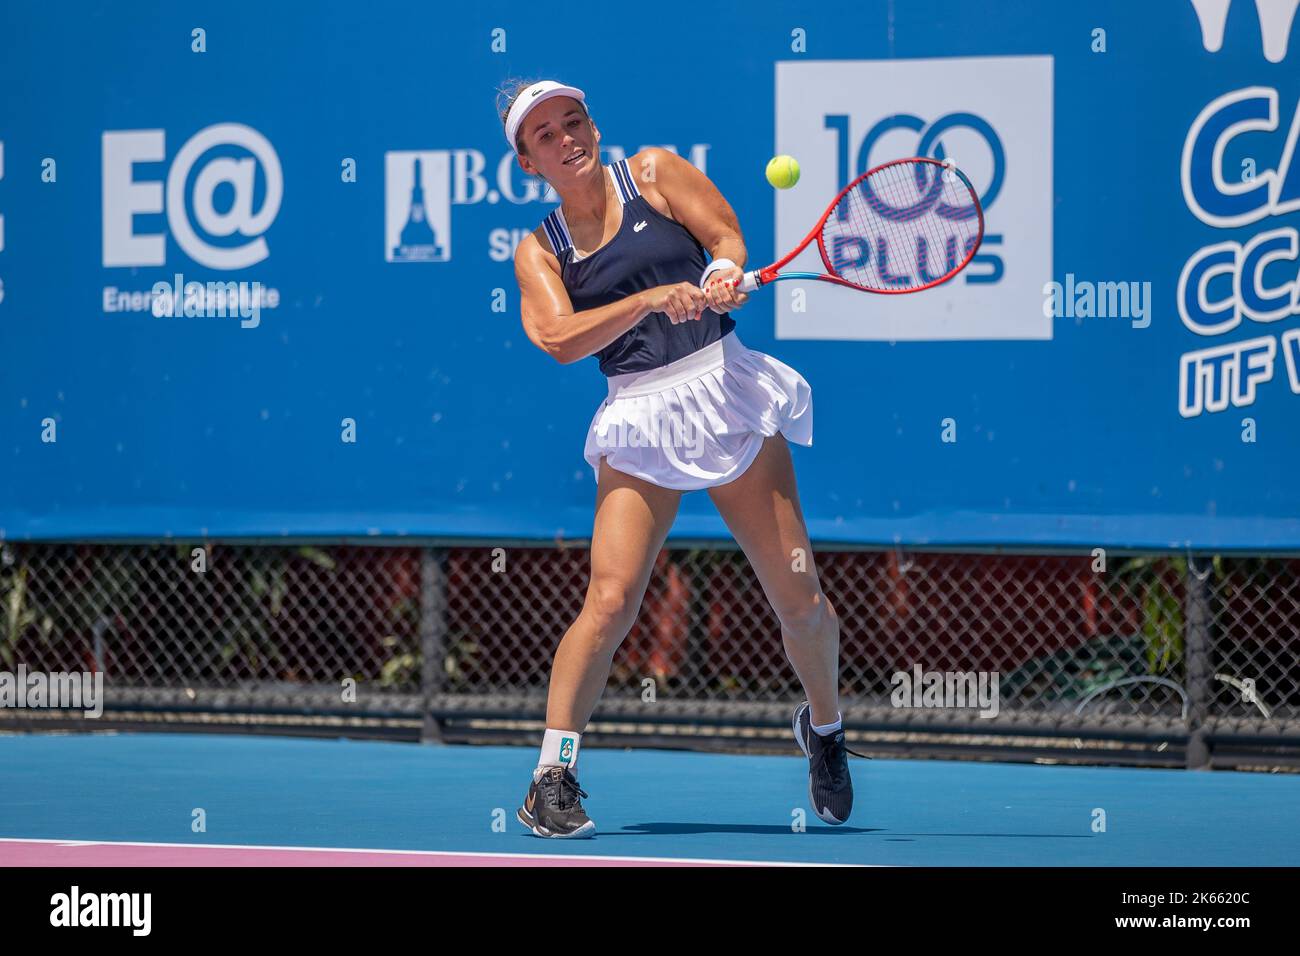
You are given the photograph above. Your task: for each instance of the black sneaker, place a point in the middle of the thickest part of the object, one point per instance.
(553, 808)
(830, 789)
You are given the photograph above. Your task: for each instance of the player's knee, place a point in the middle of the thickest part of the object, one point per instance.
(806, 615)
(610, 606)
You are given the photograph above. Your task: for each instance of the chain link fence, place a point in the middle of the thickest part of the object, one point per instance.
(1202, 650)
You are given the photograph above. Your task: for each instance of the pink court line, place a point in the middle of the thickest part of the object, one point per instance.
(56, 853)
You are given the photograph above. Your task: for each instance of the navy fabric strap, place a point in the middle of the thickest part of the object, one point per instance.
(557, 233)
(626, 183)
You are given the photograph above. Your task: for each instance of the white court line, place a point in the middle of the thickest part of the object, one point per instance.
(510, 856)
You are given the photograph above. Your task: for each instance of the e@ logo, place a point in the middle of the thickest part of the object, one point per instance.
(223, 190)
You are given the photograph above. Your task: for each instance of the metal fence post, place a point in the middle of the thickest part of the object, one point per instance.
(697, 627)
(1196, 645)
(433, 638)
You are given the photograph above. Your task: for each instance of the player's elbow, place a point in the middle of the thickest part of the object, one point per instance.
(568, 356)
(549, 335)
(557, 348)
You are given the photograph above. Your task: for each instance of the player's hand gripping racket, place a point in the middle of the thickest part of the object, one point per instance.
(907, 225)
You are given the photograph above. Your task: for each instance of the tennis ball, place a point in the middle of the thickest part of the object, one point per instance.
(783, 171)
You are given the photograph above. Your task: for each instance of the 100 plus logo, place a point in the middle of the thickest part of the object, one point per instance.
(221, 193)
(929, 143)
(991, 117)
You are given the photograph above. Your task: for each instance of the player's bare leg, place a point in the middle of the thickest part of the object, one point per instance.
(761, 508)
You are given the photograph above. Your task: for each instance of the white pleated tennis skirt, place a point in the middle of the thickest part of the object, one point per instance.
(700, 421)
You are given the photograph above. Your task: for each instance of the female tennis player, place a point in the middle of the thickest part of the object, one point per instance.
(619, 271)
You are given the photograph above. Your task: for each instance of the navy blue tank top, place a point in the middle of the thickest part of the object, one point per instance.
(648, 250)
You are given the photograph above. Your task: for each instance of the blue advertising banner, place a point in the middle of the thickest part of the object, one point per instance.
(256, 265)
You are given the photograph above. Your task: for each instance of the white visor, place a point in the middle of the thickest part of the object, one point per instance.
(532, 95)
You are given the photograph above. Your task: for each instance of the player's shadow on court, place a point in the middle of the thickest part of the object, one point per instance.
(816, 826)
(1006, 836)
(690, 829)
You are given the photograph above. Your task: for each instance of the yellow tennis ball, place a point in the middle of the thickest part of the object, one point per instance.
(783, 171)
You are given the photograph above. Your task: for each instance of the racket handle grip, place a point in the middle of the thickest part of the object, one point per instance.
(750, 282)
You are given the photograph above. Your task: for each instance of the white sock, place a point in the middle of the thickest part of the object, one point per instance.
(559, 749)
(825, 730)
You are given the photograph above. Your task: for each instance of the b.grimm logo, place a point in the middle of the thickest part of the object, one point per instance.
(417, 214)
(227, 165)
(1275, 19)
(422, 187)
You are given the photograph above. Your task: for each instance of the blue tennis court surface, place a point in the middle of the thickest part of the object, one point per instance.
(261, 792)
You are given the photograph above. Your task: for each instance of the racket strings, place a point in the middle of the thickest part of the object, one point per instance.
(906, 226)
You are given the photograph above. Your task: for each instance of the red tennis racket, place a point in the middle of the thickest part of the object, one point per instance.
(906, 225)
